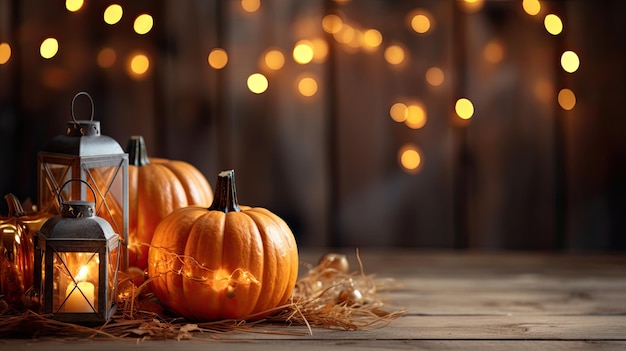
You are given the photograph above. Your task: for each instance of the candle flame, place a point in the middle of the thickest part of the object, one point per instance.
(82, 274)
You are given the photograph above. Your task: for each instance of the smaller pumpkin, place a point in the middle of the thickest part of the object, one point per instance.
(157, 186)
(223, 262)
(17, 235)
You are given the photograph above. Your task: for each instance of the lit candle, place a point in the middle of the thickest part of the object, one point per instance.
(75, 301)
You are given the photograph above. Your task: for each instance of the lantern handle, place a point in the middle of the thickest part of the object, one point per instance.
(95, 200)
(90, 99)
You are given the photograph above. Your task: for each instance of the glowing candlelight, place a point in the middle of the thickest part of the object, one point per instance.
(75, 301)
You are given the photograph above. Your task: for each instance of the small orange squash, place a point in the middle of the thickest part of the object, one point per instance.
(17, 234)
(224, 262)
(156, 187)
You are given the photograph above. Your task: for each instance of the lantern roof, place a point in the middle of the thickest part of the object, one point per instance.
(83, 138)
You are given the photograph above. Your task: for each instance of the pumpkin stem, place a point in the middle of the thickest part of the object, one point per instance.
(137, 153)
(15, 207)
(225, 198)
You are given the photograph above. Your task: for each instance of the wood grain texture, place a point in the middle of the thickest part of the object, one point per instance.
(455, 300)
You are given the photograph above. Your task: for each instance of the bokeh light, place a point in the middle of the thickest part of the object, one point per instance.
(570, 61)
(464, 108)
(399, 112)
(303, 52)
(5, 53)
(218, 58)
(257, 83)
(307, 86)
(372, 38)
(143, 24)
(434, 76)
(553, 24)
(106, 58)
(416, 116)
(332, 23)
(531, 7)
(320, 50)
(421, 21)
(493, 52)
(472, 6)
(394, 54)
(113, 14)
(274, 59)
(250, 5)
(567, 99)
(73, 5)
(49, 48)
(410, 158)
(138, 65)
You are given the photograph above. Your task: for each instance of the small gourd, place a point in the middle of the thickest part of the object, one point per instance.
(17, 235)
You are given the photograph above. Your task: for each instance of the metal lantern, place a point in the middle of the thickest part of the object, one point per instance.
(78, 256)
(84, 153)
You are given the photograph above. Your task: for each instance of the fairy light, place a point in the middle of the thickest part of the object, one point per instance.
(113, 14)
(49, 48)
(464, 108)
(307, 86)
(398, 112)
(106, 58)
(421, 22)
(332, 24)
(73, 5)
(257, 83)
(570, 61)
(5, 53)
(303, 52)
(320, 50)
(394, 54)
(434, 76)
(250, 5)
(138, 65)
(410, 158)
(493, 52)
(553, 24)
(274, 59)
(143, 24)
(566, 99)
(218, 58)
(416, 116)
(372, 38)
(531, 7)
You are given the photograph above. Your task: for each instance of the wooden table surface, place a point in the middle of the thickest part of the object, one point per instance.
(455, 300)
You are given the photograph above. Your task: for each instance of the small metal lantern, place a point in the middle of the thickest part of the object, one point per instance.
(78, 256)
(84, 153)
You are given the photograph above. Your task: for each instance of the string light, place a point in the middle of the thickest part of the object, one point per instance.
(257, 83)
(49, 48)
(307, 86)
(570, 61)
(5, 53)
(421, 21)
(394, 54)
(410, 158)
(553, 24)
(274, 59)
(303, 52)
(113, 14)
(143, 24)
(464, 108)
(218, 58)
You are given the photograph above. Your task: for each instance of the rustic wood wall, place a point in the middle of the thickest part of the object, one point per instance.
(522, 174)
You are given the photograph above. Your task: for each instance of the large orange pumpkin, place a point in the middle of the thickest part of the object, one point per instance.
(224, 262)
(156, 187)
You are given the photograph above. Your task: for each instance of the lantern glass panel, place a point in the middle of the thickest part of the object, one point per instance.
(76, 277)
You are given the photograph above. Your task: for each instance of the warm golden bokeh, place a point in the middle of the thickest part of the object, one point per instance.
(434, 76)
(567, 99)
(421, 21)
(410, 158)
(143, 24)
(257, 83)
(138, 65)
(464, 108)
(307, 86)
(5, 53)
(303, 52)
(274, 59)
(553, 24)
(399, 112)
(73, 5)
(218, 58)
(531, 7)
(394, 54)
(493, 51)
(250, 5)
(49, 48)
(416, 116)
(570, 61)
(106, 58)
(113, 14)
